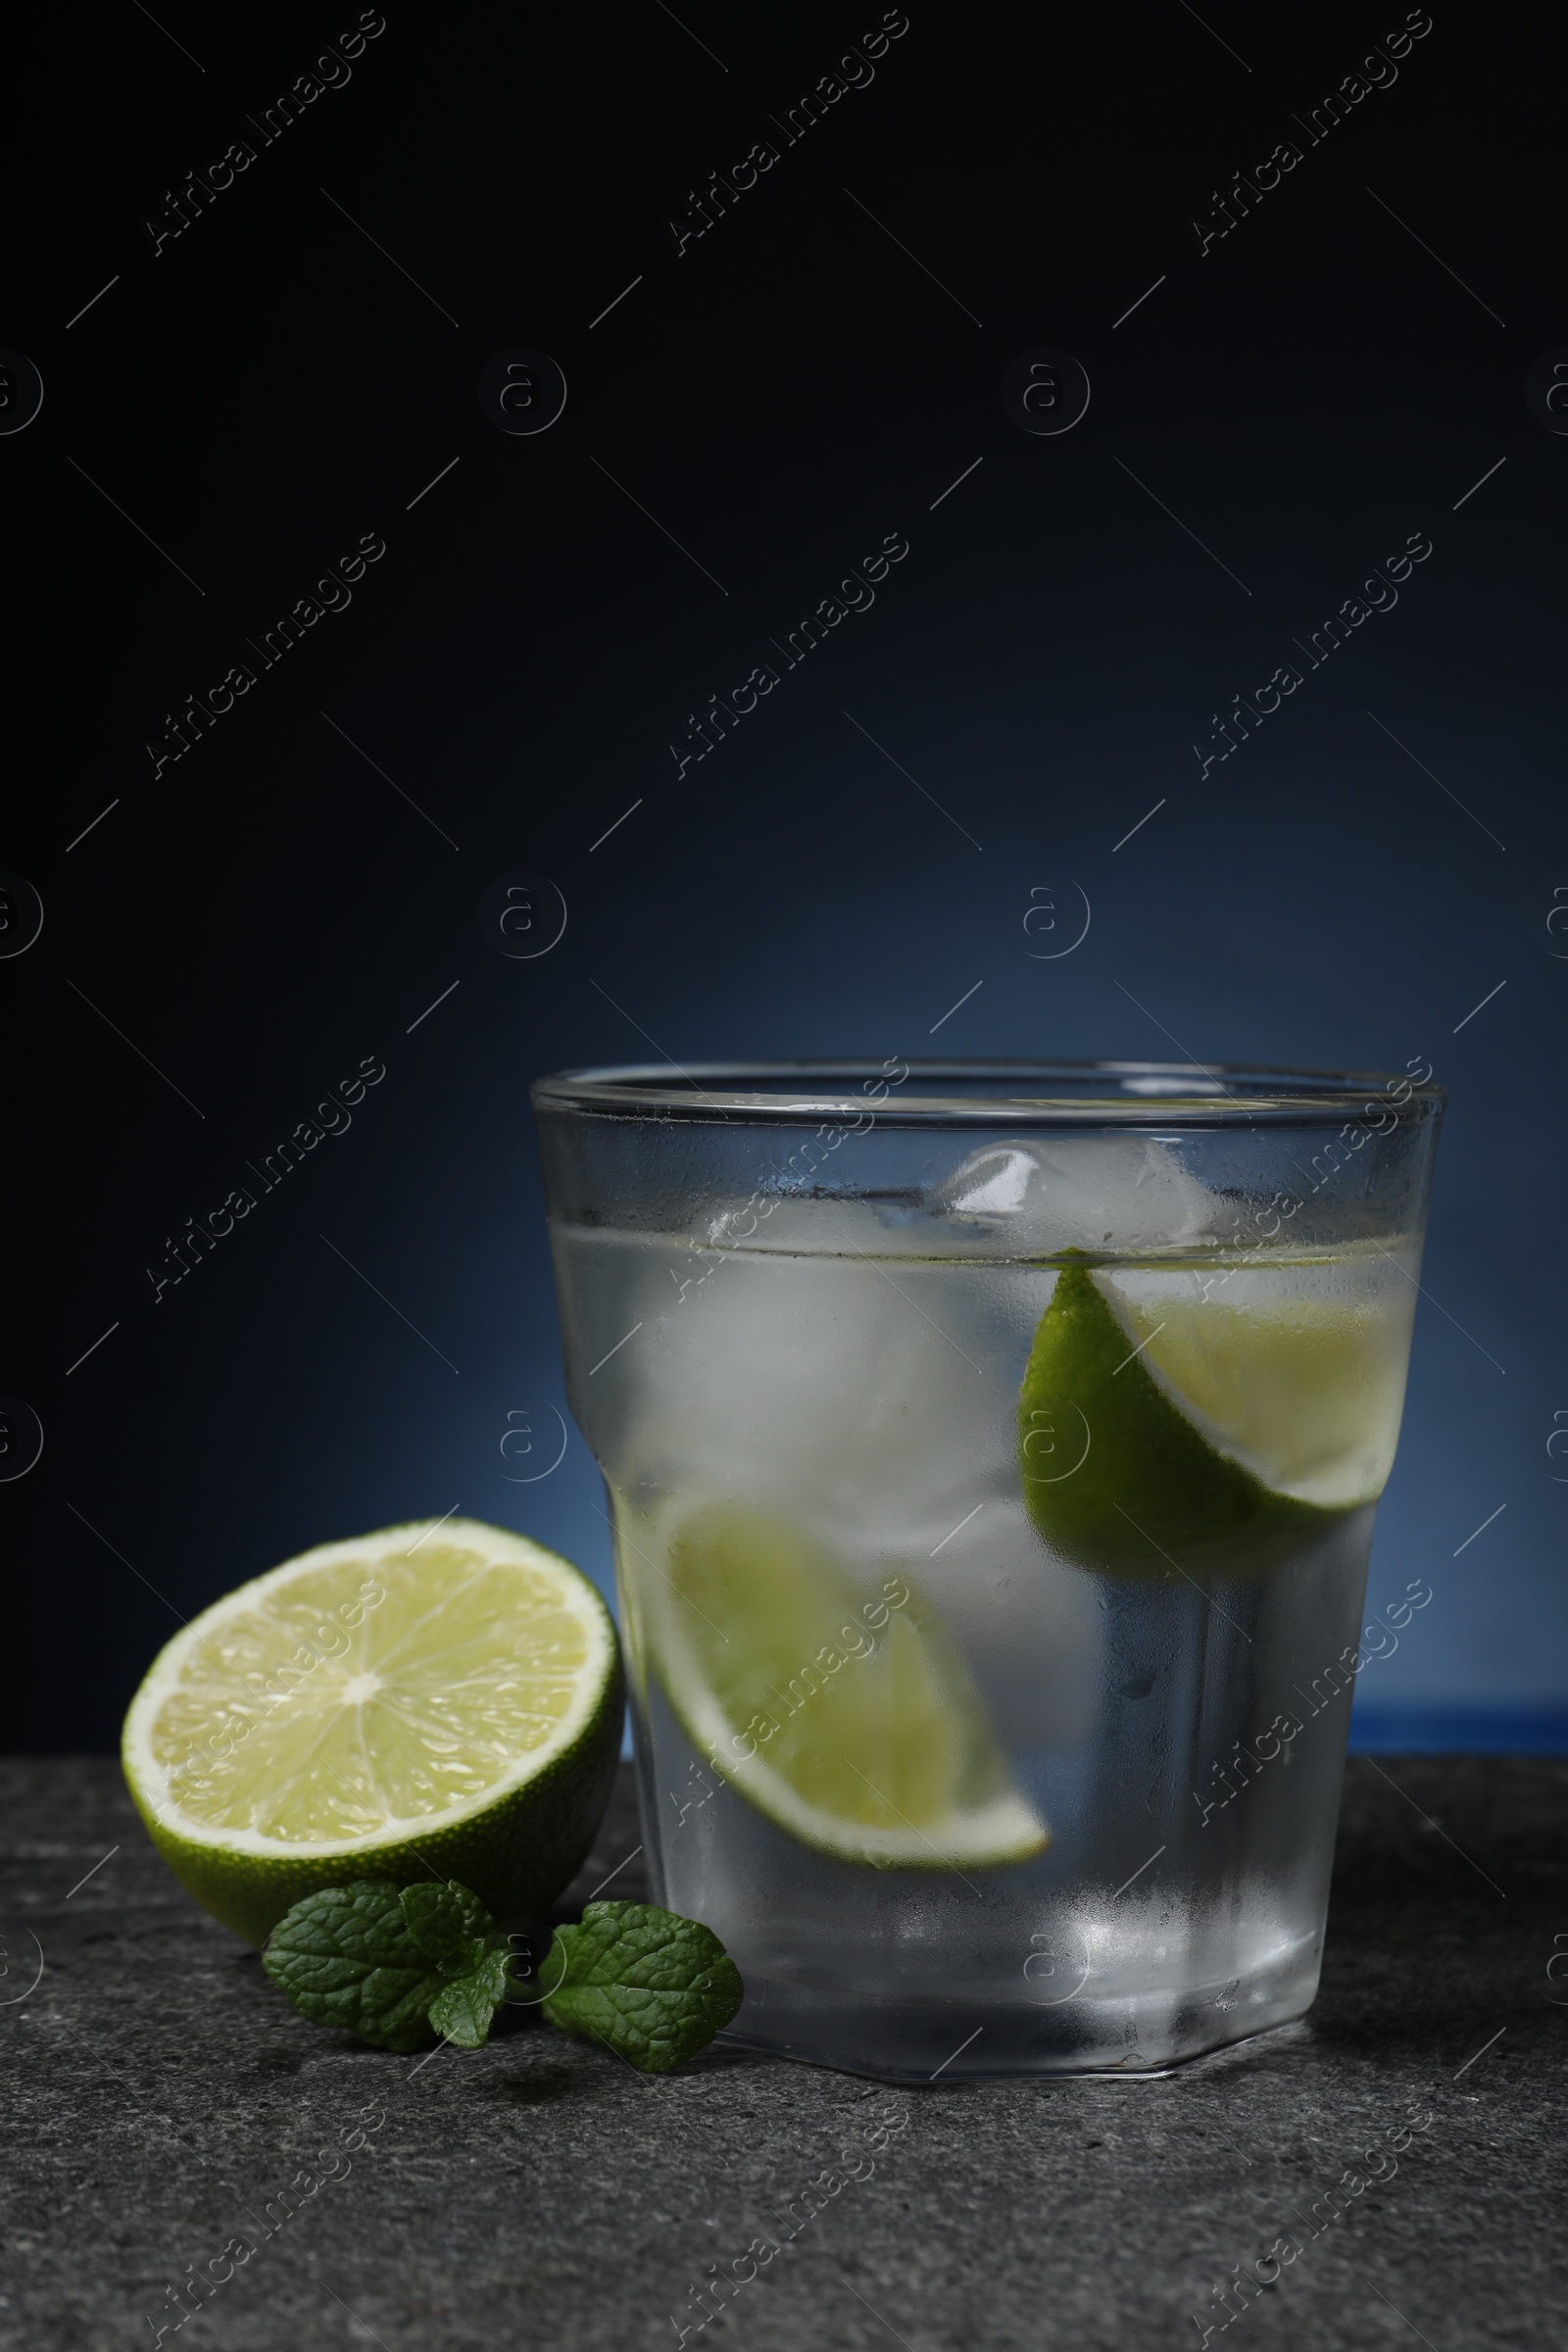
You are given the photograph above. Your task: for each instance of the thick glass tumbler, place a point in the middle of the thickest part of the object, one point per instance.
(992, 1451)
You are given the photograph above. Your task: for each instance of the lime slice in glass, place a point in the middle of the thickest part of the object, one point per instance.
(850, 1719)
(1301, 1386)
(1162, 1434)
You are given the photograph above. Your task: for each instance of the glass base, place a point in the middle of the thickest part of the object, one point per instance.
(923, 2041)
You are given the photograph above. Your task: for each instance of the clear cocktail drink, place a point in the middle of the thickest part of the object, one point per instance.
(992, 1516)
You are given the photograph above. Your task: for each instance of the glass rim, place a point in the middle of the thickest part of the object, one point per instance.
(1140, 1094)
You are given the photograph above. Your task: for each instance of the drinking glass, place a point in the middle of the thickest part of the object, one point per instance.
(992, 1451)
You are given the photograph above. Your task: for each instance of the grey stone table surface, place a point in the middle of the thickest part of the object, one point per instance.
(162, 2103)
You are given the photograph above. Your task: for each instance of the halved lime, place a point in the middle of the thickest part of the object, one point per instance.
(442, 1698)
(1126, 1472)
(849, 1718)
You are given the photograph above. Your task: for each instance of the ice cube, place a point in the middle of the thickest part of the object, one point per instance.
(820, 1385)
(1030, 1626)
(1078, 1192)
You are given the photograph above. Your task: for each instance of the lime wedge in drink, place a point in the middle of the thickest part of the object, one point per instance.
(1303, 1388)
(1162, 1433)
(850, 1719)
(440, 1700)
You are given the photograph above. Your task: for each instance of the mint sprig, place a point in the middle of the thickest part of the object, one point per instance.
(394, 1965)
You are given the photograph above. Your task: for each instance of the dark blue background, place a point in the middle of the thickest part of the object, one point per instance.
(1304, 396)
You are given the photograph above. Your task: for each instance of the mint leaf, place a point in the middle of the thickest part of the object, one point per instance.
(391, 1966)
(447, 1922)
(463, 2007)
(345, 1956)
(654, 1987)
